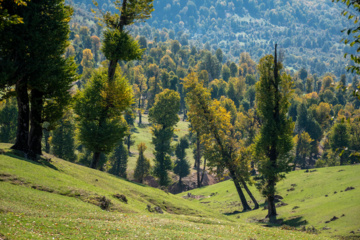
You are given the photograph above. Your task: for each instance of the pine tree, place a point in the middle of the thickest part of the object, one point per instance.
(142, 164)
(120, 160)
(63, 138)
(182, 166)
(31, 58)
(164, 116)
(275, 138)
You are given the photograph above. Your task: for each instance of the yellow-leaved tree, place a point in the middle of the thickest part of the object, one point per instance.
(216, 126)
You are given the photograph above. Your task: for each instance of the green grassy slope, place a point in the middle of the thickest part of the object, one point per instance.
(143, 134)
(311, 202)
(60, 200)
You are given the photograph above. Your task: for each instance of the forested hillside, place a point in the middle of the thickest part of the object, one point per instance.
(308, 31)
(182, 94)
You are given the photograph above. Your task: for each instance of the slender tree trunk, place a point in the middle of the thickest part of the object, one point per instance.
(129, 143)
(140, 109)
(22, 134)
(246, 206)
(96, 160)
(185, 116)
(249, 193)
(198, 157)
(111, 70)
(271, 204)
(203, 172)
(36, 130)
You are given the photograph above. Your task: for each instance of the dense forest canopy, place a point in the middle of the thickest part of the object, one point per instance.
(308, 32)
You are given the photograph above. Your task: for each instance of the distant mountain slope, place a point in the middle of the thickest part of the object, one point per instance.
(308, 31)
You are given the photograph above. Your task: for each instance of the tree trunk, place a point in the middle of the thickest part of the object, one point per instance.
(185, 116)
(250, 194)
(203, 172)
(95, 161)
(198, 157)
(140, 109)
(246, 206)
(129, 143)
(36, 130)
(111, 70)
(22, 134)
(47, 144)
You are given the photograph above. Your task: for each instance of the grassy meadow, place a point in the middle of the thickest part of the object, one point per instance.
(60, 200)
(312, 199)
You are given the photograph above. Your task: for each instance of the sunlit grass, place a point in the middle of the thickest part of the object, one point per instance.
(29, 213)
(317, 197)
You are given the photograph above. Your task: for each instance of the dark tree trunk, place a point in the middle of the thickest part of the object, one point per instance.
(140, 109)
(198, 157)
(111, 70)
(95, 161)
(246, 206)
(250, 194)
(22, 134)
(203, 172)
(271, 207)
(185, 116)
(36, 130)
(129, 143)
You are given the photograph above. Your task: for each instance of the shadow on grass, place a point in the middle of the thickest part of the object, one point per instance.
(296, 221)
(41, 162)
(232, 213)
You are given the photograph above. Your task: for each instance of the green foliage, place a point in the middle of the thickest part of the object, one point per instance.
(182, 166)
(99, 107)
(120, 46)
(339, 139)
(274, 141)
(63, 138)
(164, 112)
(8, 120)
(142, 164)
(119, 160)
(164, 116)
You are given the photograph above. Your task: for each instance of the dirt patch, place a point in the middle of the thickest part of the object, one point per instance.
(151, 181)
(5, 177)
(104, 203)
(189, 195)
(154, 209)
(42, 188)
(121, 197)
(190, 182)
